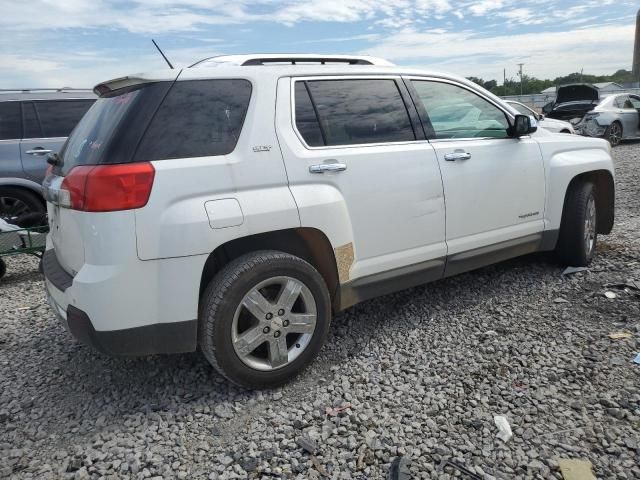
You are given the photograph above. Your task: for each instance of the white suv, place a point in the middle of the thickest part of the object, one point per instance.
(236, 205)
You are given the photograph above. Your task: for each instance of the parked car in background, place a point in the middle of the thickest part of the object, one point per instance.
(235, 206)
(613, 117)
(33, 123)
(550, 124)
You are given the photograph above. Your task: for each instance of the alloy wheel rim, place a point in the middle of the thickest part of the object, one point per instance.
(590, 226)
(11, 208)
(274, 323)
(614, 134)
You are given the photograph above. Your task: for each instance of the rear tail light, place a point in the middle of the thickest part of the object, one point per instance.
(107, 188)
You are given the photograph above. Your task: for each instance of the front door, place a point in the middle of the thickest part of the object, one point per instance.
(494, 185)
(358, 163)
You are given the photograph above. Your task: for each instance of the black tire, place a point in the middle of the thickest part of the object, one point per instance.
(15, 202)
(221, 301)
(574, 248)
(613, 134)
(3, 268)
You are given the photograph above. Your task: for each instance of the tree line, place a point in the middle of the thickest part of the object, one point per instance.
(535, 85)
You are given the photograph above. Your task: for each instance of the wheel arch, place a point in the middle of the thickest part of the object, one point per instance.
(23, 184)
(605, 197)
(310, 244)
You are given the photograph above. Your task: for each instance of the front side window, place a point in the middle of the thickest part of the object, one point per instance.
(59, 117)
(455, 112)
(10, 122)
(198, 118)
(353, 112)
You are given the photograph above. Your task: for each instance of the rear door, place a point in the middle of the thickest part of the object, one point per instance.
(355, 143)
(628, 115)
(47, 124)
(494, 185)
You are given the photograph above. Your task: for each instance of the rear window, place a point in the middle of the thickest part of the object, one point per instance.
(10, 123)
(59, 117)
(160, 121)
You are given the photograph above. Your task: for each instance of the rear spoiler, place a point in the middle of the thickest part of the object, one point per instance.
(129, 81)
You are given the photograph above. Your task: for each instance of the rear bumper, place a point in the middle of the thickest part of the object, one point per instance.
(155, 338)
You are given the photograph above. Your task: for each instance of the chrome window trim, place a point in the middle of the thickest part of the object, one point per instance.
(510, 117)
(390, 76)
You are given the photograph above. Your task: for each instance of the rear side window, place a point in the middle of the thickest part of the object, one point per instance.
(198, 118)
(10, 122)
(59, 117)
(306, 118)
(353, 112)
(30, 121)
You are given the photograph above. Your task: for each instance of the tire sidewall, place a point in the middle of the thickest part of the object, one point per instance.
(222, 314)
(608, 133)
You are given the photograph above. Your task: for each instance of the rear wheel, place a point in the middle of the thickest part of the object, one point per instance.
(3, 268)
(263, 318)
(15, 202)
(614, 134)
(578, 231)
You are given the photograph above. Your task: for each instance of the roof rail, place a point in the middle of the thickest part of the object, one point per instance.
(292, 59)
(27, 90)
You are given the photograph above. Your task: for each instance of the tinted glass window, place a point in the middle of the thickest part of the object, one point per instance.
(635, 101)
(197, 118)
(30, 121)
(59, 117)
(361, 111)
(455, 112)
(10, 122)
(306, 119)
(113, 126)
(521, 109)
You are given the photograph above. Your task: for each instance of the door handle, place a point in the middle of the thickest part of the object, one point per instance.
(327, 167)
(38, 151)
(452, 157)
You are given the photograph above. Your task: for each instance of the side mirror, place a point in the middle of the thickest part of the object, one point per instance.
(524, 125)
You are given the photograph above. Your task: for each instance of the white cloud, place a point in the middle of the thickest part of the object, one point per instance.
(481, 8)
(546, 54)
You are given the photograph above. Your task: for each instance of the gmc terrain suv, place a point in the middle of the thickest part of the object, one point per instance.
(237, 204)
(33, 123)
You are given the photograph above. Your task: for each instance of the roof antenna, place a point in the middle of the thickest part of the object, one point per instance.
(163, 55)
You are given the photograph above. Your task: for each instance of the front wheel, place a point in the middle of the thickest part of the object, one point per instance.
(613, 134)
(263, 318)
(578, 230)
(3, 268)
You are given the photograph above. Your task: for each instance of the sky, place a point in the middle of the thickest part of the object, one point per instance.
(78, 43)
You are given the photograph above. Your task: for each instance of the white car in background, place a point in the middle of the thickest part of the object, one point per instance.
(550, 124)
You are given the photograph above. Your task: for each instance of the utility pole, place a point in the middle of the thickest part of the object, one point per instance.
(521, 65)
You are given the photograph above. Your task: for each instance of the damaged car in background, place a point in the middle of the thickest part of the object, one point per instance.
(613, 117)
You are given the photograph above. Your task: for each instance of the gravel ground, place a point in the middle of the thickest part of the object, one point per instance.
(424, 372)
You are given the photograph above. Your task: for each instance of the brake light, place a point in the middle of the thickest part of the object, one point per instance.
(108, 188)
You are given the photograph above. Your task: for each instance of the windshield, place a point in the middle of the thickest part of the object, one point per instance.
(522, 109)
(118, 115)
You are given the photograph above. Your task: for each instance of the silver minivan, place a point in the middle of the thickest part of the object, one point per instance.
(33, 124)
